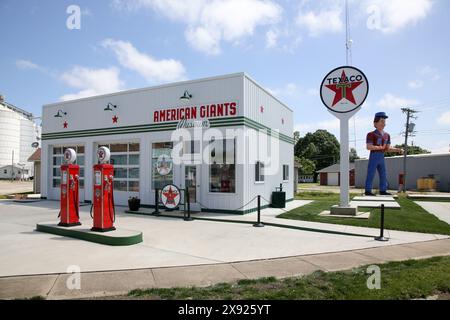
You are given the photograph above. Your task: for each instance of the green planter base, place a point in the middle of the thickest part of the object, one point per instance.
(119, 237)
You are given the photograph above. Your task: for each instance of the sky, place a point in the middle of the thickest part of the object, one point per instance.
(49, 55)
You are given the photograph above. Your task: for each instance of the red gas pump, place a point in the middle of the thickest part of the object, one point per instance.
(69, 214)
(103, 200)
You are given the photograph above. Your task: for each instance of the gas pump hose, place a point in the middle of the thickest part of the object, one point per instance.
(75, 202)
(90, 211)
(111, 198)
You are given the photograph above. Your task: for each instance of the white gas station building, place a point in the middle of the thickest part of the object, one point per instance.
(238, 145)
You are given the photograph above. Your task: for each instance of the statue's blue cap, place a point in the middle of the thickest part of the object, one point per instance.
(381, 115)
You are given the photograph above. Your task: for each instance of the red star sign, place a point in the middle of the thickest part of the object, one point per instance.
(344, 89)
(170, 195)
(115, 118)
(65, 124)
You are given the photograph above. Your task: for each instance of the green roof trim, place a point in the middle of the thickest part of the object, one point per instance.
(169, 126)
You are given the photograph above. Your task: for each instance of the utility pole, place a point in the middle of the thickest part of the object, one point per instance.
(409, 114)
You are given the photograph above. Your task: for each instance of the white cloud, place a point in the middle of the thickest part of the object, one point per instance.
(209, 22)
(28, 65)
(329, 125)
(151, 69)
(440, 147)
(444, 118)
(287, 90)
(430, 73)
(271, 39)
(204, 39)
(325, 21)
(415, 84)
(91, 82)
(394, 15)
(390, 101)
(285, 39)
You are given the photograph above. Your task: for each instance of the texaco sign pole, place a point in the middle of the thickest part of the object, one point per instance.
(343, 91)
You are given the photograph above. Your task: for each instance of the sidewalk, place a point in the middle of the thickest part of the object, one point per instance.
(111, 283)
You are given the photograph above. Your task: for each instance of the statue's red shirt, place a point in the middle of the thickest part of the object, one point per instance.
(376, 138)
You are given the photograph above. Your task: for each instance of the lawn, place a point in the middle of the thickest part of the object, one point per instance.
(411, 217)
(399, 280)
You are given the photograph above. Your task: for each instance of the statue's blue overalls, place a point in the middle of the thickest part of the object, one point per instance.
(376, 160)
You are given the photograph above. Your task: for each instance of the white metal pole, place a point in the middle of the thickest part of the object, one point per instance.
(344, 163)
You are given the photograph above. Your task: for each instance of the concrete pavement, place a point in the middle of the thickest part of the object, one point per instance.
(440, 209)
(179, 253)
(113, 283)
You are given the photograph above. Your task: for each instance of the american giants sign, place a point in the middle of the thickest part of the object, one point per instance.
(215, 110)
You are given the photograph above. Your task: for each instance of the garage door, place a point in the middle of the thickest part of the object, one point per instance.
(333, 178)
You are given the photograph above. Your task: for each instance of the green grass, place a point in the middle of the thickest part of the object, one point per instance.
(399, 280)
(411, 217)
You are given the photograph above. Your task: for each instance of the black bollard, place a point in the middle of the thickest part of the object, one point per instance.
(156, 212)
(258, 224)
(382, 237)
(188, 204)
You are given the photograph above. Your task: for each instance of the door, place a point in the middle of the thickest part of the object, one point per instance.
(333, 178)
(192, 182)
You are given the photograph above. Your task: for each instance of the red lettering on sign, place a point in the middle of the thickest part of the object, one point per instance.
(187, 113)
(232, 109)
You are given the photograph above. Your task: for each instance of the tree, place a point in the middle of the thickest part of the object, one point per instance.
(353, 155)
(306, 166)
(321, 147)
(411, 150)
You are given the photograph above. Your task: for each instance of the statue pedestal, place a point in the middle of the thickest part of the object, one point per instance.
(344, 211)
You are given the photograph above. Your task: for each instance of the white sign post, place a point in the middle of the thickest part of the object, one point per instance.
(343, 91)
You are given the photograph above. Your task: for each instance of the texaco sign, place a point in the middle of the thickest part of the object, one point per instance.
(170, 196)
(344, 90)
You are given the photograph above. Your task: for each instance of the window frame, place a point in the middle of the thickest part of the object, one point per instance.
(152, 189)
(235, 167)
(61, 156)
(285, 173)
(126, 166)
(259, 172)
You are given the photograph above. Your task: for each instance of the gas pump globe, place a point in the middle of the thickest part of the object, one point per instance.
(69, 197)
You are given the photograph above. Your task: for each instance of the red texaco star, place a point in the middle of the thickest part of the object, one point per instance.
(65, 124)
(115, 118)
(344, 89)
(170, 195)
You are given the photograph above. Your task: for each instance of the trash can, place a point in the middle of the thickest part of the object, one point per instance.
(278, 198)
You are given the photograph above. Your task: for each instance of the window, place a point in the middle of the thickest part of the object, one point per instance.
(162, 164)
(285, 172)
(58, 156)
(222, 168)
(5, 171)
(125, 158)
(191, 147)
(259, 171)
